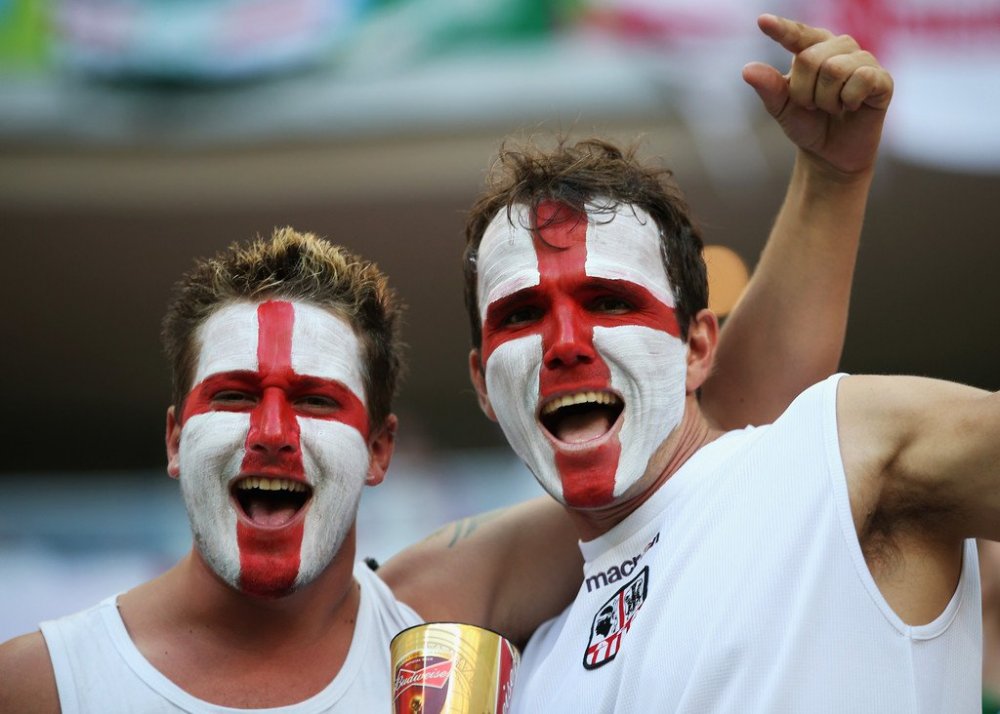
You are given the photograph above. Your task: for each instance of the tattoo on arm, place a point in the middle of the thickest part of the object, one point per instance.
(460, 530)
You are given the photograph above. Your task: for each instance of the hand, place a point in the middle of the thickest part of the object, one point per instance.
(833, 101)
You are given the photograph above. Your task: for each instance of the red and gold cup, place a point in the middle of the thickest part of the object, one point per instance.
(449, 668)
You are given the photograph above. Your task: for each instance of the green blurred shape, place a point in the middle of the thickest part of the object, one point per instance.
(24, 34)
(397, 33)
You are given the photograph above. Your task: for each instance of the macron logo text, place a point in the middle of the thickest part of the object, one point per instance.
(617, 572)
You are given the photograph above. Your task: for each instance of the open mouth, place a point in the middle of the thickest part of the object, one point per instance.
(271, 502)
(582, 416)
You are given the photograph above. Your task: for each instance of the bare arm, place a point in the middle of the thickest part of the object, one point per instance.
(508, 570)
(27, 683)
(788, 330)
(924, 453)
(922, 462)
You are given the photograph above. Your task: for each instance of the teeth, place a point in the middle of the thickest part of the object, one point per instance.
(271, 484)
(580, 398)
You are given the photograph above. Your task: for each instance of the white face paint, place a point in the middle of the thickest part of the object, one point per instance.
(586, 312)
(279, 398)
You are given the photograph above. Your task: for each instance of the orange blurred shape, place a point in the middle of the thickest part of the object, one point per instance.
(727, 277)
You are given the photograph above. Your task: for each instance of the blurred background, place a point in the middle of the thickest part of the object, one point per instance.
(136, 135)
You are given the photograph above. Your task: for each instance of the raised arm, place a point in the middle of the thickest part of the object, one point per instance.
(788, 330)
(509, 570)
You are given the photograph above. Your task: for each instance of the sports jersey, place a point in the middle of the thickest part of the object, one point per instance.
(98, 669)
(740, 586)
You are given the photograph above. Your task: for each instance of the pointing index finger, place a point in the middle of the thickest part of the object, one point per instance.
(793, 36)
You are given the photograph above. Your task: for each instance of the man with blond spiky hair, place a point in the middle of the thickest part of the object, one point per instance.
(285, 356)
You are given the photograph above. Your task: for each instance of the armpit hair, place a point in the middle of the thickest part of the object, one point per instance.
(906, 511)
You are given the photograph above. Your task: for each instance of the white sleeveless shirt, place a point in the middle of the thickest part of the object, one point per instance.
(740, 586)
(99, 670)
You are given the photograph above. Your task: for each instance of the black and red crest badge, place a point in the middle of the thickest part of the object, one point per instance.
(613, 620)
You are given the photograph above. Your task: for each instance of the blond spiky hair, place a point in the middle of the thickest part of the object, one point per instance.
(294, 266)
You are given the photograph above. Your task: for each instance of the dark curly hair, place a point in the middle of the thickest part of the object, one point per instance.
(575, 174)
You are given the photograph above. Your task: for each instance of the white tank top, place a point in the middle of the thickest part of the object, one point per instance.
(740, 586)
(98, 669)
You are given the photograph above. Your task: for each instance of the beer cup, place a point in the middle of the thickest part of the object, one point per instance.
(451, 668)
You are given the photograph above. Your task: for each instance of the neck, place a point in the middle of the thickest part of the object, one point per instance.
(192, 595)
(242, 651)
(690, 435)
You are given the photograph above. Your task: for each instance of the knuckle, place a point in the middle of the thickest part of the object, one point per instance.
(848, 42)
(809, 59)
(834, 69)
(867, 75)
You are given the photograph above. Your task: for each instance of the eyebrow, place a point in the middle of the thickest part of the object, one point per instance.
(512, 299)
(252, 377)
(244, 375)
(589, 282)
(307, 381)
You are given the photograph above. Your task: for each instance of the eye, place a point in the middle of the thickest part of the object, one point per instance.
(611, 305)
(521, 316)
(317, 404)
(233, 399)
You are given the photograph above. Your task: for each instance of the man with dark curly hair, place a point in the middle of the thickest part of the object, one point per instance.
(825, 562)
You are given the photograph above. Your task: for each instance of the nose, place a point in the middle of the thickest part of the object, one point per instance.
(568, 339)
(274, 430)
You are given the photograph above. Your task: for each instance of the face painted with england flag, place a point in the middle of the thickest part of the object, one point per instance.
(273, 444)
(583, 361)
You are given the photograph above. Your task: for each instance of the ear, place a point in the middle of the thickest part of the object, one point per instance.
(479, 383)
(703, 337)
(173, 439)
(381, 445)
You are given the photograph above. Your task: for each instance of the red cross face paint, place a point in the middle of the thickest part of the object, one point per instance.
(583, 361)
(273, 445)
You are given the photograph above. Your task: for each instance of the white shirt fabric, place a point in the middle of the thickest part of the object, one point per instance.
(99, 670)
(740, 586)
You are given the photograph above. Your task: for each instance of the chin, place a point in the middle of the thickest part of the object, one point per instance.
(587, 497)
(267, 590)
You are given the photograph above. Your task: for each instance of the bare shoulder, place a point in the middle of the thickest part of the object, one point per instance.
(865, 443)
(890, 432)
(873, 396)
(424, 575)
(27, 682)
(920, 457)
(911, 445)
(471, 570)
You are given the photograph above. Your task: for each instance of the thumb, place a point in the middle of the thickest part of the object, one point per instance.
(771, 86)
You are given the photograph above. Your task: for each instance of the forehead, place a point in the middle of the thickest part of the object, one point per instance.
(248, 336)
(623, 244)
